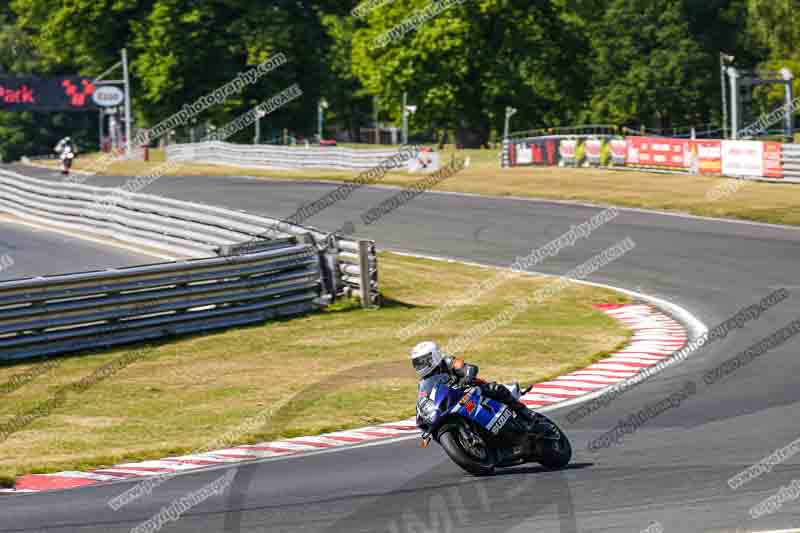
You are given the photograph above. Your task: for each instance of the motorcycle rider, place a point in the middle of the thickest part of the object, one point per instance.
(428, 360)
(66, 151)
(63, 145)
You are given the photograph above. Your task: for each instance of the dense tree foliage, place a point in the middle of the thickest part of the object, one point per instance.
(30, 133)
(628, 62)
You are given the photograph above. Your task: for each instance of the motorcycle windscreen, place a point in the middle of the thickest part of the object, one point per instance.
(433, 398)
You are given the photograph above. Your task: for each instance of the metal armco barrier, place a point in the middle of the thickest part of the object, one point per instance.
(790, 161)
(238, 268)
(66, 313)
(179, 228)
(278, 157)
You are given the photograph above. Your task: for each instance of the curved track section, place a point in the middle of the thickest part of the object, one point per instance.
(673, 469)
(39, 252)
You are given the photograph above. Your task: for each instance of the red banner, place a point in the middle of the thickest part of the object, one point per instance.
(772, 160)
(709, 156)
(659, 152)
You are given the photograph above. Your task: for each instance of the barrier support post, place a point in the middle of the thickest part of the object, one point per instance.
(364, 267)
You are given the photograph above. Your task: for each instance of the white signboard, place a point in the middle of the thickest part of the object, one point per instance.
(524, 154)
(108, 96)
(424, 162)
(742, 158)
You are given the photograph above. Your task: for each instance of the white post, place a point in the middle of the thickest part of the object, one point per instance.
(724, 98)
(734, 79)
(405, 119)
(126, 79)
(375, 118)
(787, 75)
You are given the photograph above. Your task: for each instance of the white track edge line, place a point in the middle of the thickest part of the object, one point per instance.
(79, 236)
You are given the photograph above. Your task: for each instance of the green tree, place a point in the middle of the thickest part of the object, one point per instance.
(31, 133)
(463, 67)
(773, 24)
(647, 66)
(183, 49)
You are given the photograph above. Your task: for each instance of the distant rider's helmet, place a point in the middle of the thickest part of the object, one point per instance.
(425, 357)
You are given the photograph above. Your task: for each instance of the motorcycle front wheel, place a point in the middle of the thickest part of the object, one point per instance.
(555, 453)
(467, 449)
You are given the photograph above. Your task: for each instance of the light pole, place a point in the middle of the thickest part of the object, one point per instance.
(787, 76)
(723, 59)
(407, 110)
(510, 112)
(733, 76)
(128, 120)
(259, 115)
(375, 119)
(321, 107)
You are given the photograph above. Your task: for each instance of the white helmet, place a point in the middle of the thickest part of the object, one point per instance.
(425, 357)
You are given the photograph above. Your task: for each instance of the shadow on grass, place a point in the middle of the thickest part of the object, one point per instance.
(354, 304)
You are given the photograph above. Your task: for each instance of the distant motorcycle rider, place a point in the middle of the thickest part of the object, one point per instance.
(64, 145)
(429, 360)
(66, 153)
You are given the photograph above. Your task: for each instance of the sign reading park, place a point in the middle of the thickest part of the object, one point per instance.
(59, 93)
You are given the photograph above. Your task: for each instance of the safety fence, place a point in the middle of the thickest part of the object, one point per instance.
(66, 313)
(763, 160)
(186, 231)
(281, 157)
(790, 161)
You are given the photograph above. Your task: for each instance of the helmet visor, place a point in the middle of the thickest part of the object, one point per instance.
(422, 362)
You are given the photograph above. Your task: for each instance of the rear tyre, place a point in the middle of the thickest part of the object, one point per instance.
(474, 457)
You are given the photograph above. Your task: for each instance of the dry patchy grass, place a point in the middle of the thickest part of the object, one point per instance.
(338, 368)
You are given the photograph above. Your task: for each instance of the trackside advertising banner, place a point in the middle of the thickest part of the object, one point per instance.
(659, 152)
(697, 156)
(594, 152)
(773, 167)
(567, 151)
(618, 152)
(708, 156)
(743, 158)
(536, 152)
(752, 159)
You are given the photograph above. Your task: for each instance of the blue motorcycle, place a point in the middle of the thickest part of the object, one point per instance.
(480, 434)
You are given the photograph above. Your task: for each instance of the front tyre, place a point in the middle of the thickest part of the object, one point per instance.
(555, 454)
(468, 450)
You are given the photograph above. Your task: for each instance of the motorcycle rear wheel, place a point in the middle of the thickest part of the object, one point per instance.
(451, 440)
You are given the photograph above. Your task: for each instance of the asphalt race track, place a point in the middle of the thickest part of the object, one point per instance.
(673, 470)
(37, 252)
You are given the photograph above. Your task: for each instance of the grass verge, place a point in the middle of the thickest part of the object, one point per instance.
(334, 369)
(758, 201)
